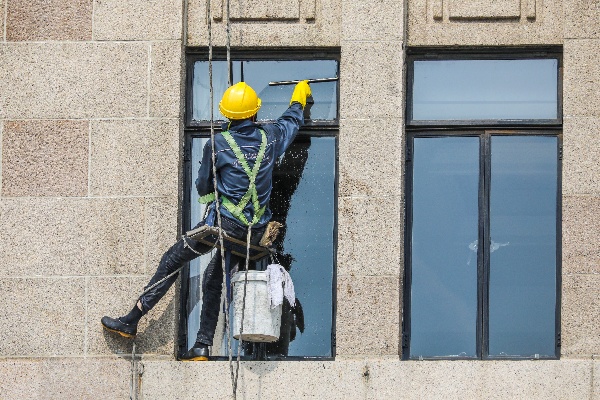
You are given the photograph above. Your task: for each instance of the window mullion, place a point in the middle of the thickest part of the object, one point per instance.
(483, 264)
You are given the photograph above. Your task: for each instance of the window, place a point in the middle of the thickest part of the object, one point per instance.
(483, 206)
(303, 196)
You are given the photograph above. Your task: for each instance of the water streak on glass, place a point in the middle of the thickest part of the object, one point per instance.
(303, 199)
(444, 253)
(485, 89)
(523, 207)
(275, 99)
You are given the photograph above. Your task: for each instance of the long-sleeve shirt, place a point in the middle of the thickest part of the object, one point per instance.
(232, 180)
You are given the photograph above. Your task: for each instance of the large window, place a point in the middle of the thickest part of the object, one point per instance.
(483, 206)
(303, 196)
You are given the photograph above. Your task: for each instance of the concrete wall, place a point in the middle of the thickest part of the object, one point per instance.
(90, 145)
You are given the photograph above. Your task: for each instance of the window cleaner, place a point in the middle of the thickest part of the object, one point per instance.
(240, 161)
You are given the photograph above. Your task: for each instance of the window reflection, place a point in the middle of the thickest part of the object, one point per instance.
(303, 199)
(258, 74)
(485, 89)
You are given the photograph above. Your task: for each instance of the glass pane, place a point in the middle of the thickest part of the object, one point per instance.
(523, 246)
(275, 99)
(303, 199)
(444, 247)
(485, 89)
(201, 88)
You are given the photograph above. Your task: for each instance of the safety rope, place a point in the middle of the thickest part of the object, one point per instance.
(217, 200)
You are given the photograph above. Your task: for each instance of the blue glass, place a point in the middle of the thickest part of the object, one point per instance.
(275, 99)
(443, 305)
(303, 198)
(523, 215)
(485, 90)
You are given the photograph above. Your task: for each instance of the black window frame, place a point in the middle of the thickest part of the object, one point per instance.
(201, 129)
(483, 129)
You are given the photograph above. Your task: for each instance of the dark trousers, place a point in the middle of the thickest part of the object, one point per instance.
(186, 250)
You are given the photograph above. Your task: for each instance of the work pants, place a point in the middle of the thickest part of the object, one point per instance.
(186, 250)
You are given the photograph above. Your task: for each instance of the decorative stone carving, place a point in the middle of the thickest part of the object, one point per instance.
(491, 10)
(265, 10)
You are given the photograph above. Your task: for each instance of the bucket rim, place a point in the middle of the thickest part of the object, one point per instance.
(240, 276)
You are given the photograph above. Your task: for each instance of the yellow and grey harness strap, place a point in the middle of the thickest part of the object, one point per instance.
(251, 194)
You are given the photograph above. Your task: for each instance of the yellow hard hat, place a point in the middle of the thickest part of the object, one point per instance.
(239, 102)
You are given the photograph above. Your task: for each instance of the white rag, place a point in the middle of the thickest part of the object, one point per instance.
(280, 284)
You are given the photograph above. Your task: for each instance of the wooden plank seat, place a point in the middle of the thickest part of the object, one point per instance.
(209, 235)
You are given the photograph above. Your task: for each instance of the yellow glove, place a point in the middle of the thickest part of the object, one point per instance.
(301, 92)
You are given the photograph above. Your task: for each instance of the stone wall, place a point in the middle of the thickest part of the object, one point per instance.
(91, 106)
(90, 125)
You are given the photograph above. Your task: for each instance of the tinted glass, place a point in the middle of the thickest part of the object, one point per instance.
(485, 89)
(444, 247)
(523, 204)
(303, 198)
(275, 99)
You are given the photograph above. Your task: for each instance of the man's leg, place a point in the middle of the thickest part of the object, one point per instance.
(181, 252)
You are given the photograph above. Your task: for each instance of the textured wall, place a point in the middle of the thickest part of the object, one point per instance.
(90, 117)
(90, 127)
(484, 22)
(581, 186)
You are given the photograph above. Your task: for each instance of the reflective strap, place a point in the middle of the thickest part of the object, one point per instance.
(207, 198)
(251, 194)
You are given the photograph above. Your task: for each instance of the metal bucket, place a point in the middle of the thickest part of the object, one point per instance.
(261, 322)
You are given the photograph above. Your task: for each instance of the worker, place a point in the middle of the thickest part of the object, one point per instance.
(241, 145)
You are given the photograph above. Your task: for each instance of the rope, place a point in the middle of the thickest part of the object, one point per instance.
(133, 393)
(249, 235)
(214, 168)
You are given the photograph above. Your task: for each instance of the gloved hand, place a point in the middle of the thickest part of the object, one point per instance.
(301, 92)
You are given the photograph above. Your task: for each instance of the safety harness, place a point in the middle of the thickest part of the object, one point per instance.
(237, 210)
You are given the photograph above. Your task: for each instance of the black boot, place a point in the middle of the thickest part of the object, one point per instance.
(197, 353)
(125, 326)
(118, 326)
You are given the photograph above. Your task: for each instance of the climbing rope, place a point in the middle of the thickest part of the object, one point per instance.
(234, 377)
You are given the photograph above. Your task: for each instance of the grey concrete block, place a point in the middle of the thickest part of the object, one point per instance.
(580, 232)
(165, 79)
(2, 7)
(370, 236)
(160, 228)
(581, 165)
(371, 157)
(134, 157)
(321, 28)
(42, 20)
(43, 317)
(114, 297)
(581, 80)
(581, 19)
(373, 378)
(596, 383)
(430, 23)
(45, 158)
(137, 20)
(65, 378)
(371, 80)
(372, 20)
(73, 80)
(580, 316)
(368, 315)
(62, 236)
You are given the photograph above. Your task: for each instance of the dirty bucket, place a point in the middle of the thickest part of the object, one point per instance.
(261, 322)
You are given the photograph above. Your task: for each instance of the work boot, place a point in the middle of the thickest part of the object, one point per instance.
(197, 353)
(120, 327)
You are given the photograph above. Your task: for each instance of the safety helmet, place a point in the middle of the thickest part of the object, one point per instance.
(239, 102)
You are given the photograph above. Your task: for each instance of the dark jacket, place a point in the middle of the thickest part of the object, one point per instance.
(232, 181)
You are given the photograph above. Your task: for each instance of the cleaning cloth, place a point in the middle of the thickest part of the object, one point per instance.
(280, 284)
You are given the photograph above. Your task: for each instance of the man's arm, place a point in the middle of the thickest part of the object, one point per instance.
(291, 120)
(204, 182)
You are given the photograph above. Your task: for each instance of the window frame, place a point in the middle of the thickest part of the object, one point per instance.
(201, 129)
(481, 53)
(484, 129)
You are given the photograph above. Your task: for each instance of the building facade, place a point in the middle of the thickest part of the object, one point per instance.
(95, 125)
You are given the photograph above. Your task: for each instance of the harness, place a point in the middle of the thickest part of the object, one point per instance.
(237, 210)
